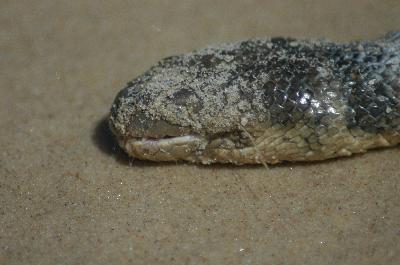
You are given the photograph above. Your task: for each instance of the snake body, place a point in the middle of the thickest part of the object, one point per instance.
(264, 101)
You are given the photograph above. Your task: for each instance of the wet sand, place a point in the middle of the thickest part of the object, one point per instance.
(69, 195)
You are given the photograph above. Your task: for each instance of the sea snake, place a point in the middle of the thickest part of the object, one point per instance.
(264, 101)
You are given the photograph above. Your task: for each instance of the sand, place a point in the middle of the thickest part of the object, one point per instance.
(68, 195)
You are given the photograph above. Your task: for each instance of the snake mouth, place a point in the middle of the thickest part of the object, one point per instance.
(166, 148)
(157, 140)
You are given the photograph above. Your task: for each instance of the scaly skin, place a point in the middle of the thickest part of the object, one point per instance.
(264, 101)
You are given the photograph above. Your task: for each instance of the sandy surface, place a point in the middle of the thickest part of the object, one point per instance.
(69, 196)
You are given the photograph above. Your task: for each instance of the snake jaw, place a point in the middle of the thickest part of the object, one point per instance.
(188, 147)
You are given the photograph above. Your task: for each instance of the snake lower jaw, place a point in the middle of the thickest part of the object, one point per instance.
(271, 148)
(166, 149)
(192, 148)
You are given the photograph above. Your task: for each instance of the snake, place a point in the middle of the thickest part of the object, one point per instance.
(263, 101)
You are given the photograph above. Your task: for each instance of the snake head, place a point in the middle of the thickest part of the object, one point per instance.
(146, 133)
(183, 108)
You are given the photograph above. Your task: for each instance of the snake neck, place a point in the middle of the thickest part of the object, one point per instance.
(371, 75)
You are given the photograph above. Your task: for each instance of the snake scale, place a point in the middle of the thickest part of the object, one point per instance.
(264, 101)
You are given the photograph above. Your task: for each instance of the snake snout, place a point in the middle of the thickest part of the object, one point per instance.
(129, 117)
